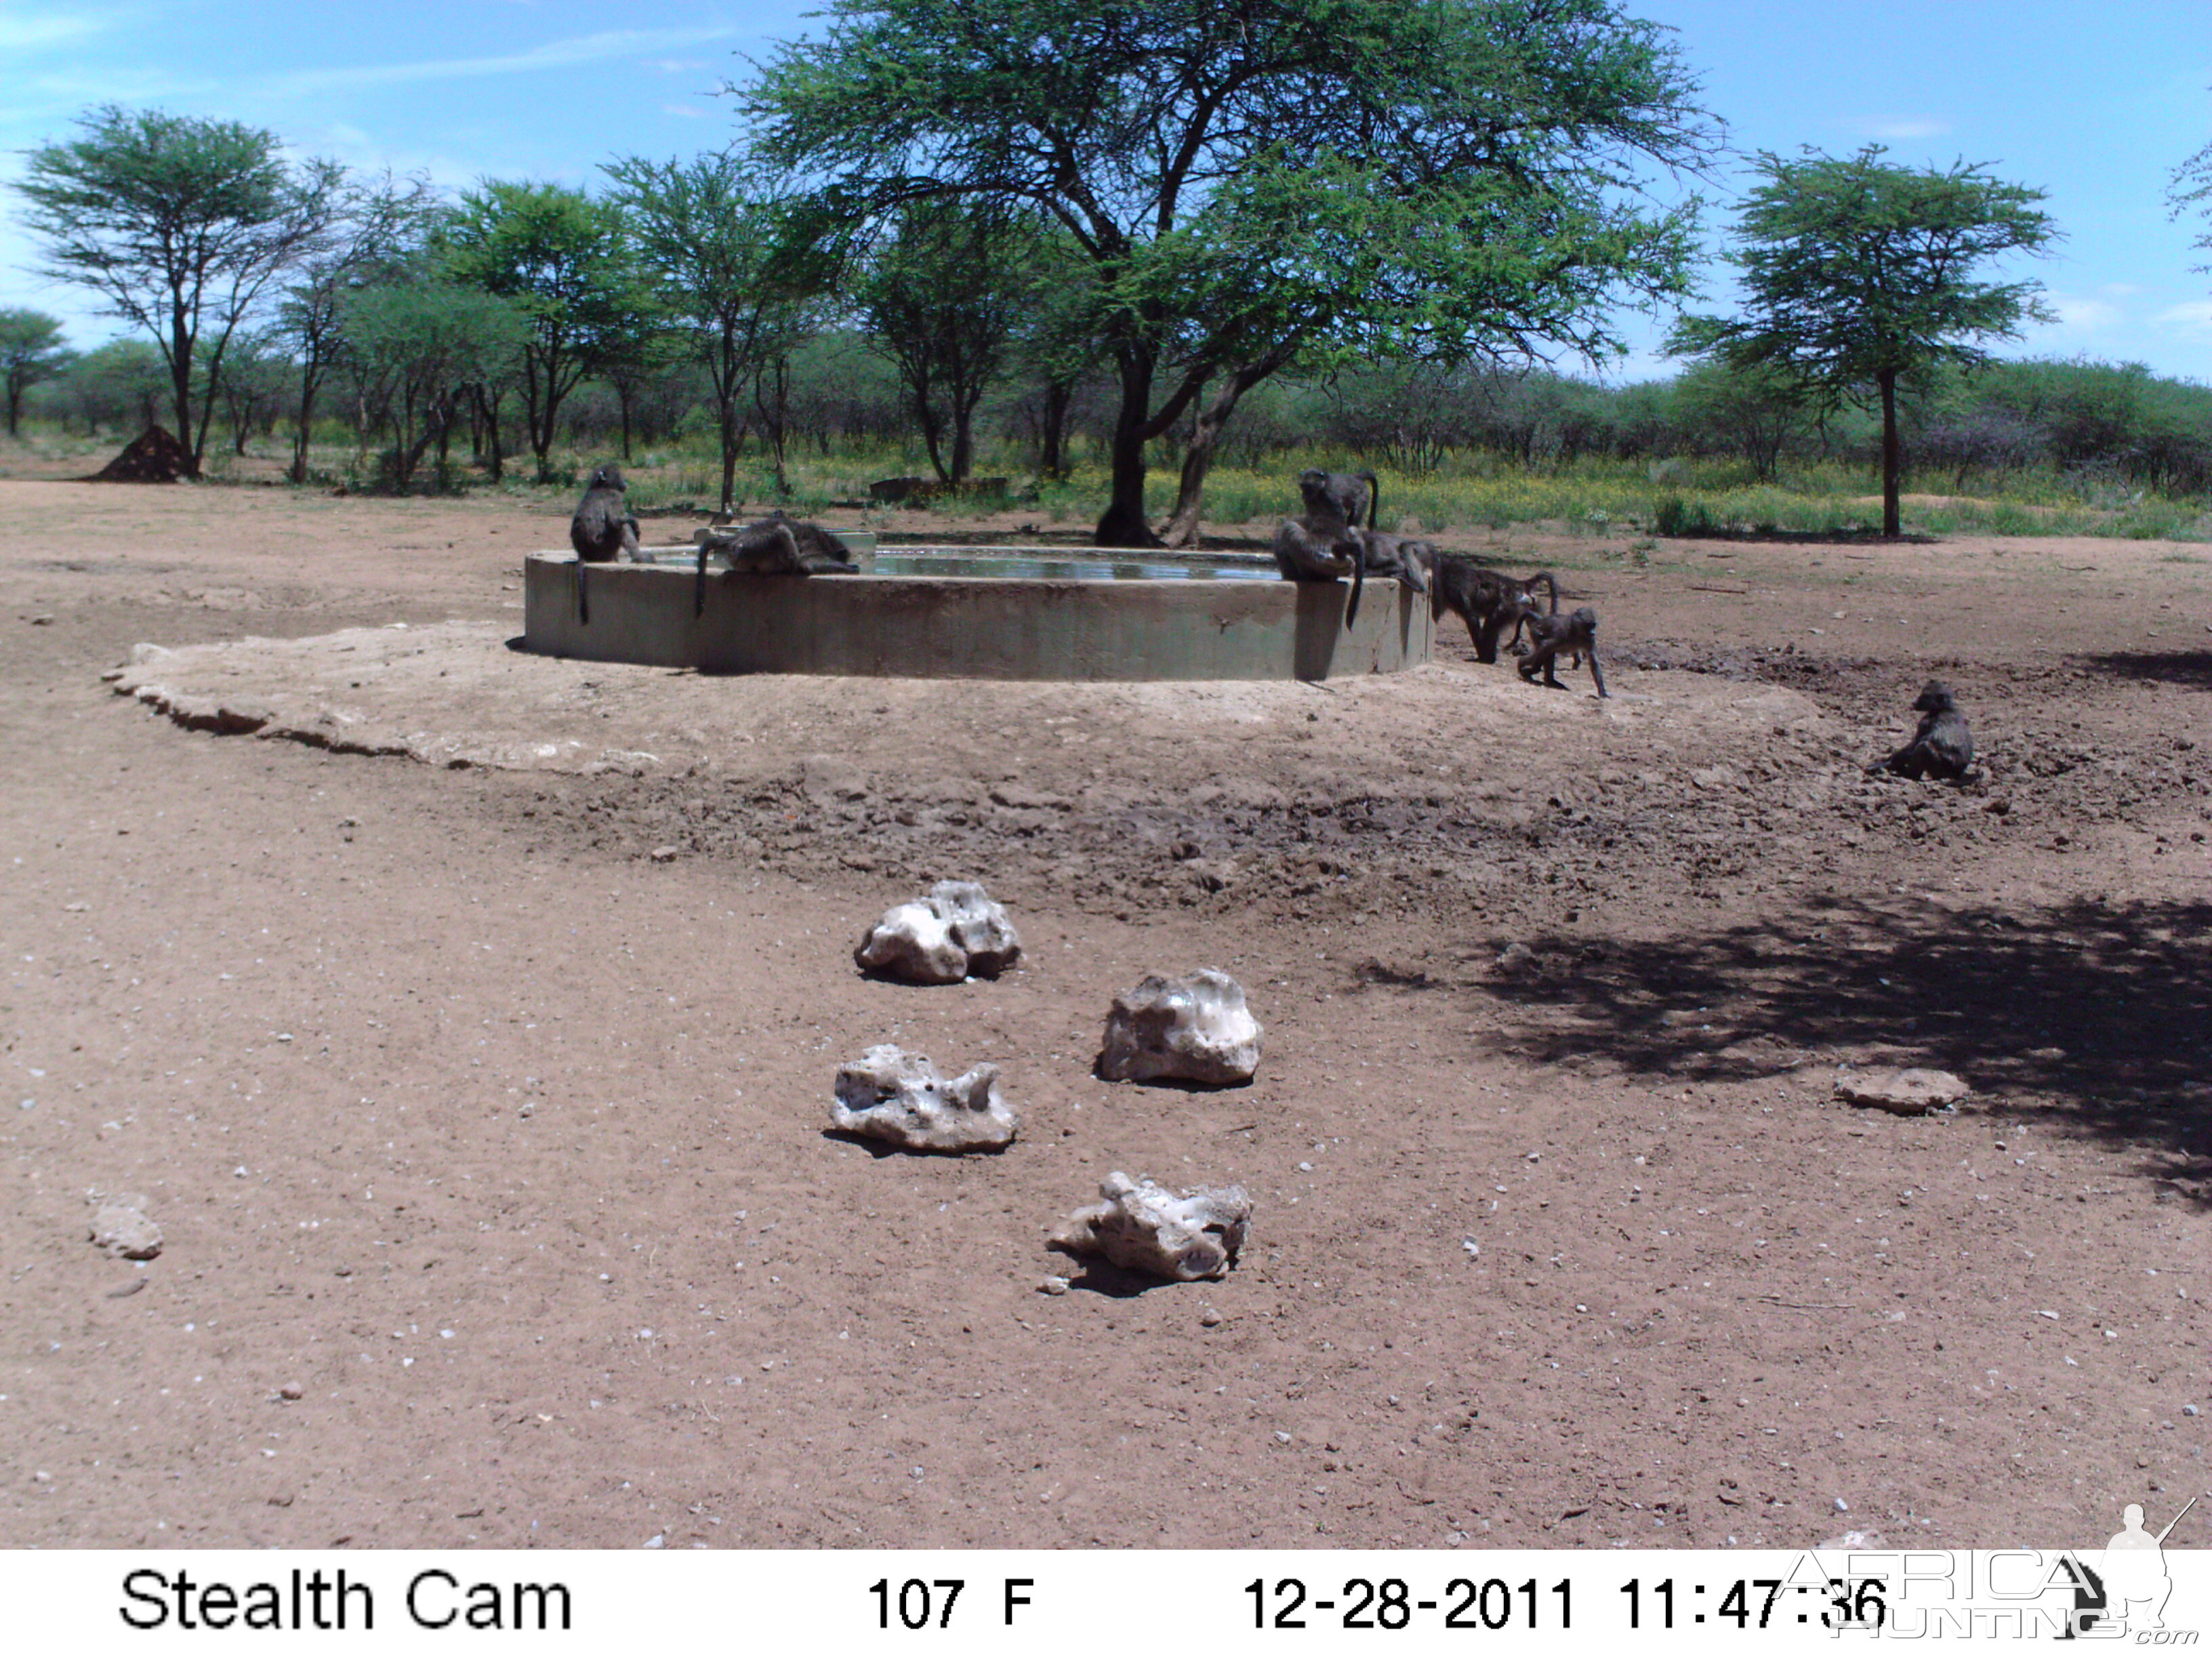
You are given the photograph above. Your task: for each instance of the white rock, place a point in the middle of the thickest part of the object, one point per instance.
(889, 1094)
(958, 929)
(1140, 1225)
(1197, 1030)
(1908, 1093)
(120, 1227)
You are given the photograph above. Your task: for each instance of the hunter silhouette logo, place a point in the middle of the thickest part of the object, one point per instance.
(2135, 1581)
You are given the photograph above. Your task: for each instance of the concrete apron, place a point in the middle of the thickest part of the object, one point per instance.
(969, 628)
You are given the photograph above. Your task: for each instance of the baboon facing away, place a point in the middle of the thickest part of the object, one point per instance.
(1344, 498)
(603, 527)
(602, 530)
(1486, 600)
(1942, 747)
(1550, 636)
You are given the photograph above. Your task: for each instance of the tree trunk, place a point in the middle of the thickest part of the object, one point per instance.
(1892, 468)
(1051, 449)
(1181, 529)
(725, 420)
(1123, 523)
(963, 445)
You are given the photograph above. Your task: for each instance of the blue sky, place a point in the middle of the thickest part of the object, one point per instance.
(2095, 105)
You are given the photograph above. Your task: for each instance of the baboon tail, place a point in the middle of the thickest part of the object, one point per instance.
(1374, 497)
(583, 599)
(1550, 582)
(1358, 580)
(699, 586)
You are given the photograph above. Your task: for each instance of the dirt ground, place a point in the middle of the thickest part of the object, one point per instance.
(469, 1033)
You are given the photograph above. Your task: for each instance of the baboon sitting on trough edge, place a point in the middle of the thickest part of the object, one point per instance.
(1550, 636)
(1942, 747)
(1486, 600)
(778, 545)
(602, 530)
(1328, 541)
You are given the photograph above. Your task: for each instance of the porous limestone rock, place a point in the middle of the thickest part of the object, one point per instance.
(1197, 1030)
(120, 1227)
(956, 930)
(1908, 1093)
(889, 1094)
(1141, 1226)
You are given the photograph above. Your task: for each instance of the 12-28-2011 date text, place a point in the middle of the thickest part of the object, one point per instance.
(1391, 1604)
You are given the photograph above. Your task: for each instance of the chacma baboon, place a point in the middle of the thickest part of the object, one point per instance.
(778, 545)
(1486, 600)
(1941, 747)
(1344, 498)
(1405, 557)
(1328, 541)
(603, 529)
(1550, 636)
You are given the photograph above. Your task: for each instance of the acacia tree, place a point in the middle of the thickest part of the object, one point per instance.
(1252, 183)
(378, 224)
(941, 298)
(1860, 276)
(179, 224)
(564, 261)
(31, 350)
(743, 268)
(416, 345)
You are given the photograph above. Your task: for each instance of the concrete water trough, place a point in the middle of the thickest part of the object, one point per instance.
(1011, 614)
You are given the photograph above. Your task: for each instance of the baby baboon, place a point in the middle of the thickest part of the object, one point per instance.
(602, 529)
(1550, 636)
(1942, 747)
(778, 545)
(1486, 600)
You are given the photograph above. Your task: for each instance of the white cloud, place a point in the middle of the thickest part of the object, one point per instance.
(1906, 127)
(553, 54)
(2192, 320)
(28, 31)
(2078, 314)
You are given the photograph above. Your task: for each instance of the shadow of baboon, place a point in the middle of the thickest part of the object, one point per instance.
(2192, 669)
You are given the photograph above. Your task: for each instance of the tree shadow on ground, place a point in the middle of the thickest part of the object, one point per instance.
(2099, 1013)
(2192, 669)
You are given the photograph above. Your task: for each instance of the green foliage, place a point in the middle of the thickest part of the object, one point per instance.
(31, 350)
(414, 346)
(1860, 276)
(742, 267)
(563, 261)
(178, 224)
(1248, 186)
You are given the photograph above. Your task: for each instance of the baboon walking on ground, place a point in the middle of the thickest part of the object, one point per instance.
(1486, 600)
(1549, 637)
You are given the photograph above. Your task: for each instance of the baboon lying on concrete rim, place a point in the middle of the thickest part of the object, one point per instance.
(1486, 600)
(1942, 747)
(778, 545)
(602, 529)
(1550, 636)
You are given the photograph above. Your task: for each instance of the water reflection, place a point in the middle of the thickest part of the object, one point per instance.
(1079, 570)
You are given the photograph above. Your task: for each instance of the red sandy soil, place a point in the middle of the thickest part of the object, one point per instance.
(500, 1142)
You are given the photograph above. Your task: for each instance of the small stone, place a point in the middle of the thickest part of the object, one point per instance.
(1051, 1284)
(120, 1227)
(1195, 1030)
(1909, 1092)
(656, 1541)
(958, 929)
(290, 1391)
(889, 1094)
(2189, 1411)
(1282, 1437)
(1210, 1317)
(664, 855)
(1515, 961)
(1143, 1226)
